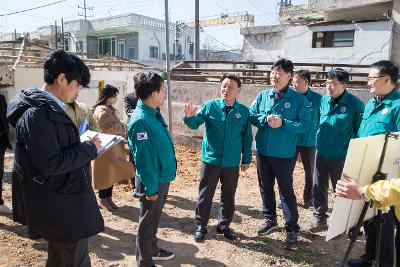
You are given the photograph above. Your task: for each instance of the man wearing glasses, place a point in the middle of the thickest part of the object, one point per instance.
(381, 115)
(340, 118)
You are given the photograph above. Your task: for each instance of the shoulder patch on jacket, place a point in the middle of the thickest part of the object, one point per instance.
(141, 136)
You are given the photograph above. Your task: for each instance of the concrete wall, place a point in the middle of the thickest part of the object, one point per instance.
(199, 92)
(263, 43)
(372, 42)
(395, 52)
(342, 4)
(33, 77)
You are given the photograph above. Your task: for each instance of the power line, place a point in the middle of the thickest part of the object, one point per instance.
(33, 8)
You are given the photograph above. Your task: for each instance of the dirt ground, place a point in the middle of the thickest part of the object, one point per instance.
(116, 245)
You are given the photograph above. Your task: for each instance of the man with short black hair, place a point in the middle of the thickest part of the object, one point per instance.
(381, 115)
(51, 163)
(154, 157)
(280, 114)
(340, 118)
(306, 142)
(226, 146)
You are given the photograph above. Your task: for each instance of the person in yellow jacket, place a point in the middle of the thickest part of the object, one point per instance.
(81, 116)
(384, 194)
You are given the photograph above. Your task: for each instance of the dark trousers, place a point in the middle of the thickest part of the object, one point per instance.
(387, 241)
(308, 159)
(149, 218)
(269, 168)
(132, 178)
(325, 169)
(209, 177)
(68, 254)
(3, 149)
(105, 193)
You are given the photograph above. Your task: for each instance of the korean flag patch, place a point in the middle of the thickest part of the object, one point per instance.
(142, 136)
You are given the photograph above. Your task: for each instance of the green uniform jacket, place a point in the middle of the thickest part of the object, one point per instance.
(226, 138)
(309, 139)
(294, 111)
(383, 118)
(151, 146)
(338, 125)
(81, 112)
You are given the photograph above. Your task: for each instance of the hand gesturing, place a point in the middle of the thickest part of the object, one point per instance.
(190, 110)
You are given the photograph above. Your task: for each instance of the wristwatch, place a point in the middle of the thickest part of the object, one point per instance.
(362, 195)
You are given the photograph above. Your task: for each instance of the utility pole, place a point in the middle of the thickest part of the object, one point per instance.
(55, 30)
(197, 31)
(169, 94)
(176, 39)
(62, 34)
(84, 10)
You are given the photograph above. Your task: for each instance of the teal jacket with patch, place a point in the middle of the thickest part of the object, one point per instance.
(338, 125)
(152, 148)
(295, 114)
(309, 139)
(382, 118)
(226, 138)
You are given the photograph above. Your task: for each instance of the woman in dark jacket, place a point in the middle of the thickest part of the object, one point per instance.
(4, 144)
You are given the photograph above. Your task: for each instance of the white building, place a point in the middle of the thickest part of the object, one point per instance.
(129, 36)
(330, 31)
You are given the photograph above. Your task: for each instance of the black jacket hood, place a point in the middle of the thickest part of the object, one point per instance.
(32, 97)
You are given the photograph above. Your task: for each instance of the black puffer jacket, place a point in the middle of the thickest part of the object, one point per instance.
(59, 203)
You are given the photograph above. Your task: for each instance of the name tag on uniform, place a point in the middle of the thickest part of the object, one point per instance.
(287, 105)
(141, 136)
(309, 105)
(385, 111)
(238, 116)
(343, 109)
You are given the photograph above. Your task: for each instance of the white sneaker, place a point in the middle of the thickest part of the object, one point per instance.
(5, 210)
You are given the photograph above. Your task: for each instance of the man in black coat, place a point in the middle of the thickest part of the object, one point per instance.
(51, 163)
(4, 144)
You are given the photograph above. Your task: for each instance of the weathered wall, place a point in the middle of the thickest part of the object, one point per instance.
(395, 52)
(372, 42)
(199, 92)
(339, 4)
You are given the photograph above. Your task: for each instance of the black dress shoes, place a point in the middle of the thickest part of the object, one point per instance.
(227, 232)
(200, 234)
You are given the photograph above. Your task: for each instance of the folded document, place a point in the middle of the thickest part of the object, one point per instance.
(107, 140)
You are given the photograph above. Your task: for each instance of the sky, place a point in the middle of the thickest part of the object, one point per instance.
(225, 37)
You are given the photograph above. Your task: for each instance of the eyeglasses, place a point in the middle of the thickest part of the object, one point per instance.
(375, 77)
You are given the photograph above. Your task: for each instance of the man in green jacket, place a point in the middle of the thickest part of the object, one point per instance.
(340, 118)
(226, 145)
(280, 114)
(154, 157)
(381, 115)
(306, 142)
